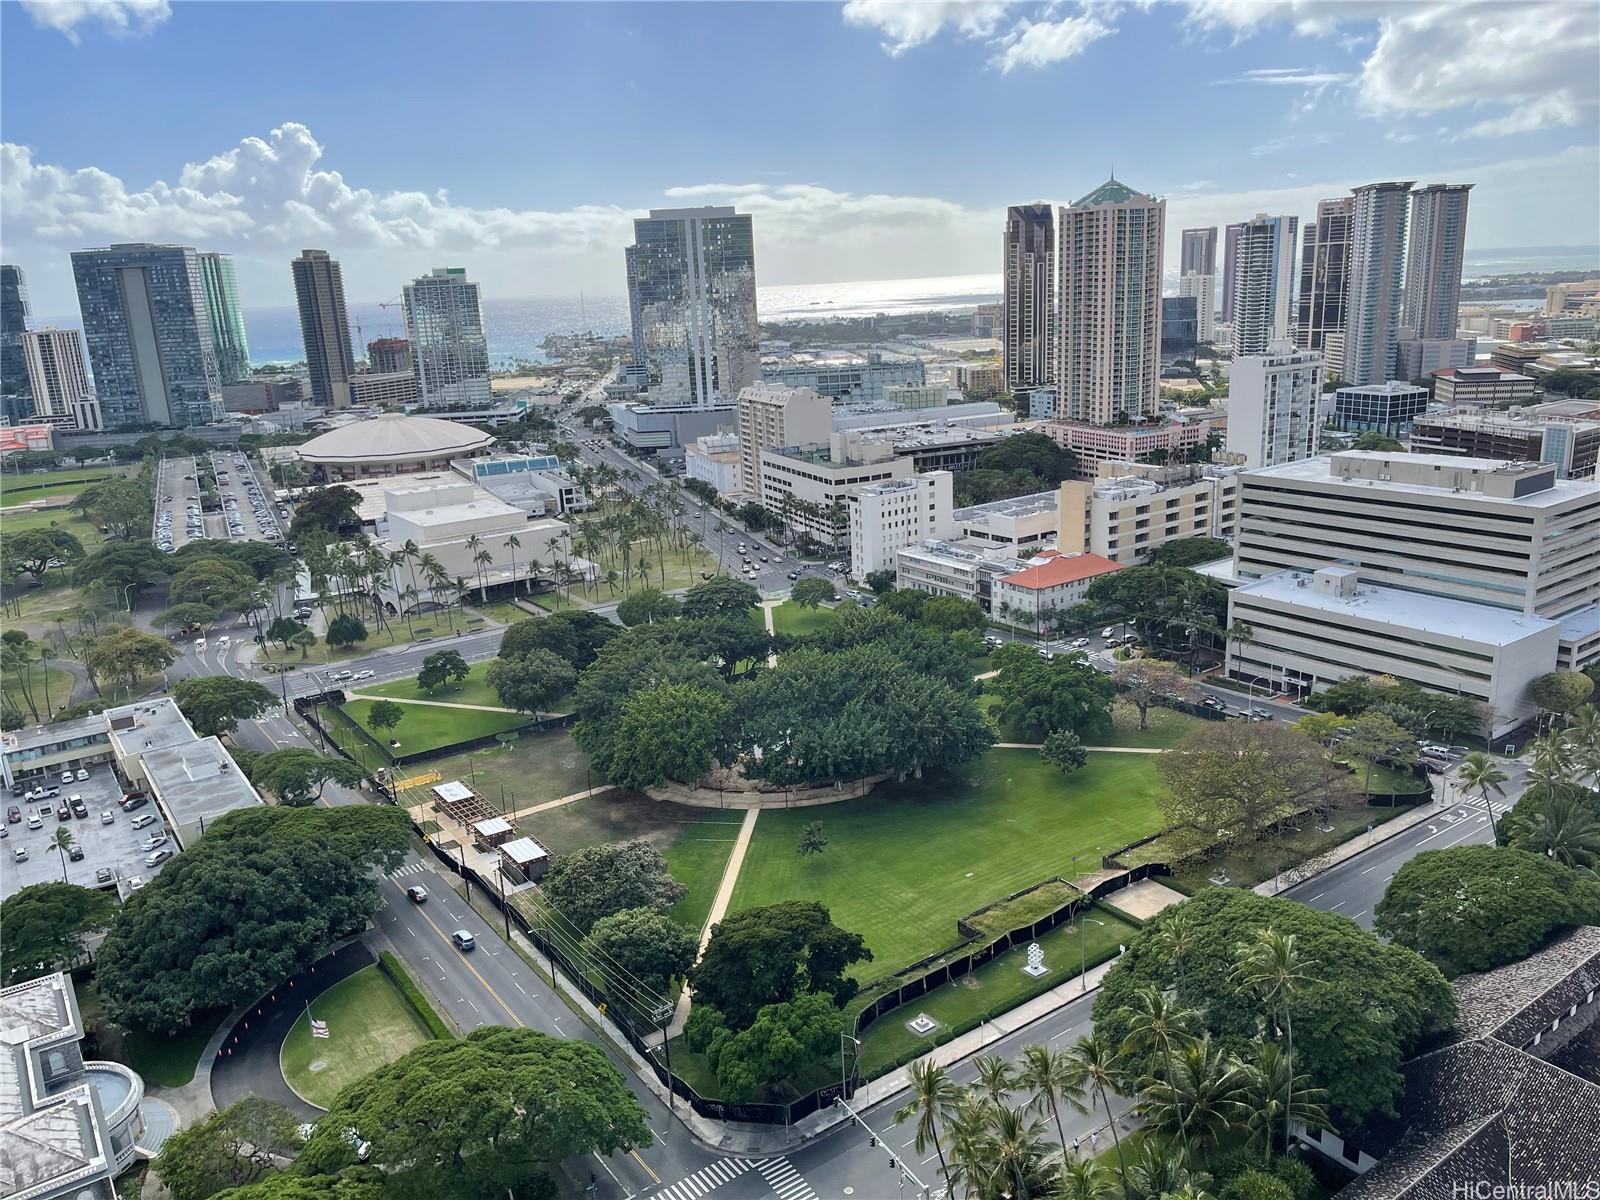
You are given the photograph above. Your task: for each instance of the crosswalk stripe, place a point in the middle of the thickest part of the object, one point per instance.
(705, 1180)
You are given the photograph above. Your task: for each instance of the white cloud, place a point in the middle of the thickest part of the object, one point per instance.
(1041, 43)
(118, 16)
(907, 24)
(1310, 77)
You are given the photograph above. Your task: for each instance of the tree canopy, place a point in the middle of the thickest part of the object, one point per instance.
(781, 1040)
(296, 775)
(647, 605)
(1175, 611)
(768, 955)
(812, 591)
(1146, 681)
(1561, 691)
(531, 682)
(332, 510)
(258, 898)
(34, 550)
(482, 1116)
(120, 565)
(126, 654)
(722, 596)
(668, 731)
(642, 944)
(597, 881)
(1471, 908)
(1365, 1010)
(1190, 551)
(42, 927)
(1407, 703)
(215, 704)
(346, 629)
(228, 1149)
(1041, 696)
(574, 636)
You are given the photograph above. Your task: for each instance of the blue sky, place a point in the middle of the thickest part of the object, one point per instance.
(875, 139)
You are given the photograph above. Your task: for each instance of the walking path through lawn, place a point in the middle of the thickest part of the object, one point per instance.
(719, 906)
(1095, 749)
(549, 804)
(431, 703)
(766, 607)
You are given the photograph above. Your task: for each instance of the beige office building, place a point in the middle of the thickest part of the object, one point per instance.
(771, 416)
(1134, 509)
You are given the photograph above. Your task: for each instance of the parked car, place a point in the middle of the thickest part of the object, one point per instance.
(35, 821)
(144, 819)
(19, 853)
(104, 875)
(75, 853)
(1108, 631)
(83, 775)
(136, 802)
(66, 777)
(108, 817)
(135, 882)
(79, 808)
(417, 893)
(13, 815)
(156, 857)
(63, 813)
(151, 842)
(464, 941)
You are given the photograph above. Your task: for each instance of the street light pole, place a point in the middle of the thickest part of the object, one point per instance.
(843, 1038)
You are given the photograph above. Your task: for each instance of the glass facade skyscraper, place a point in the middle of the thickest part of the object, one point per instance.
(324, 327)
(1027, 343)
(149, 334)
(14, 319)
(1263, 271)
(1436, 246)
(449, 350)
(1324, 267)
(227, 321)
(1373, 294)
(692, 294)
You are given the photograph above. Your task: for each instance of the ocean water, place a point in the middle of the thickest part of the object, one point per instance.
(517, 325)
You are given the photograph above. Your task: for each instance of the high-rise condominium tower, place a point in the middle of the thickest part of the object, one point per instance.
(692, 293)
(227, 321)
(14, 319)
(449, 350)
(149, 334)
(1199, 255)
(1324, 265)
(324, 327)
(1372, 304)
(1263, 272)
(58, 378)
(1433, 259)
(1028, 339)
(1230, 237)
(1108, 334)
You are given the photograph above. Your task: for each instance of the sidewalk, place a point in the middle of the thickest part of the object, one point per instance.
(1347, 850)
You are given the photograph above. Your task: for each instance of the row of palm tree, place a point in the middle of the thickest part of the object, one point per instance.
(992, 1139)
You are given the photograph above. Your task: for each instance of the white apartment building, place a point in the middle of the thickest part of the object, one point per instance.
(887, 517)
(1108, 332)
(809, 486)
(771, 416)
(1133, 510)
(1050, 582)
(1485, 385)
(714, 459)
(1272, 405)
(387, 389)
(1264, 271)
(1311, 630)
(449, 350)
(1022, 522)
(455, 521)
(1204, 290)
(59, 379)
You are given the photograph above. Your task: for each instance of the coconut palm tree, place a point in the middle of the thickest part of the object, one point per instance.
(1085, 1179)
(1481, 773)
(481, 560)
(62, 841)
(1205, 1095)
(1098, 1064)
(1565, 829)
(513, 543)
(1275, 1094)
(1158, 1172)
(1156, 1023)
(1175, 935)
(933, 1099)
(997, 1077)
(1583, 727)
(1272, 968)
(1050, 1077)
(1009, 1157)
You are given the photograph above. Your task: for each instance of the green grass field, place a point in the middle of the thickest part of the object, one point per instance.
(798, 621)
(1384, 780)
(369, 1024)
(533, 769)
(696, 842)
(903, 863)
(471, 690)
(161, 1061)
(50, 688)
(426, 727)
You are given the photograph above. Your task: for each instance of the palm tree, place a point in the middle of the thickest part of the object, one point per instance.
(1086, 1179)
(1565, 829)
(1051, 1079)
(1098, 1064)
(1175, 935)
(1480, 772)
(1156, 1023)
(513, 543)
(62, 841)
(933, 1099)
(481, 560)
(1158, 1172)
(1275, 1092)
(1015, 1154)
(996, 1077)
(1272, 968)
(1583, 727)
(1205, 1095)
(611, 580)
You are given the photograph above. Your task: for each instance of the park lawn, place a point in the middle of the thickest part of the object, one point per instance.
(66, 519)
(996, 987)
(17, 489)
(533, 769)
(471, 690)
(369, 1024)
(696, 842)
(51, 688)
(1386, 780)
(1168, 726)
(428, 727)
(797, 621)
(904, 863)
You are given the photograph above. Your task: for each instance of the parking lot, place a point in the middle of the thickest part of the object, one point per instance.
(248, 509)
(114, 852)
(178, 519)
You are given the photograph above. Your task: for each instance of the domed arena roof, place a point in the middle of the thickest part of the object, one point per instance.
(394, 438)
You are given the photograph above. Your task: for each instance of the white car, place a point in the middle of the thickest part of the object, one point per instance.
(108, 817)
(66, 777)
(144, 819)
(1108, 631)
(224, 642)
(135, 882)
(1435, 749)
(150, 843)
(199, 643)
(83, 776)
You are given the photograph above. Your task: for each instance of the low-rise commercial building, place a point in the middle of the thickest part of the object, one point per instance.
(1516, 435)
(979, 379)
(947, 569)
(807, 486)
(646, 427)
(1132, 510)
(967, 414)
(916, 395)
(887, 517)
(714, 459)
(1386, 407)
(1473, 386)
(1095, 444)
(536, 483)
(1050, 582)
(930, 445)
(68, 1126)
(1020, 523)
(384, 389)
(1419, 358)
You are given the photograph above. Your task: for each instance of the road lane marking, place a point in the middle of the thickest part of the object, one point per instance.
(1341, 904)
(515, 1019)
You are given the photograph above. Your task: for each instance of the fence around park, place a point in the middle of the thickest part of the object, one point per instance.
(325, 712)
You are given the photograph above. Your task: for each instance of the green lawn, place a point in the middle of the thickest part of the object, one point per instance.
(696, 842)
(1385, 780)
(903, 863)
(50, 688)
(471, 690)
(793, 619)
(533, 769)
(369, 1024)
(16, 488)
(160, 1061)
(426, 727)
(996, 987)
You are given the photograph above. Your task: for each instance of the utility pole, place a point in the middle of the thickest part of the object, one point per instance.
(905, 1173)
